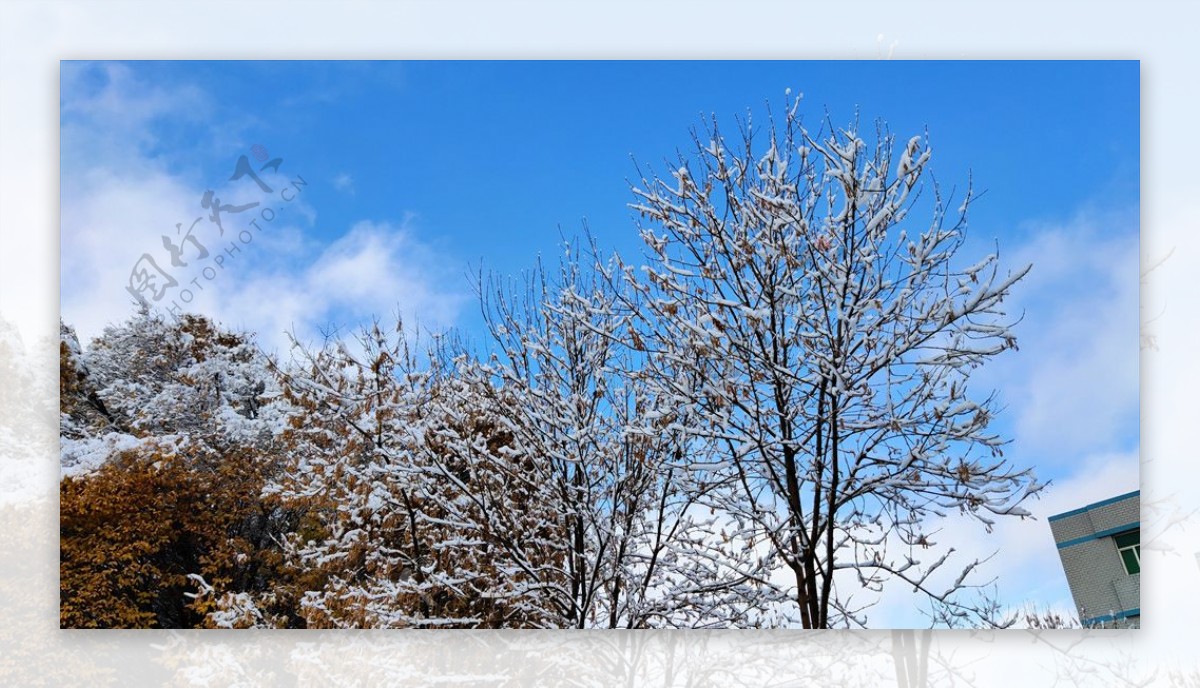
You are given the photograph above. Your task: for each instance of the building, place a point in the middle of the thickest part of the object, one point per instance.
(1101, 553)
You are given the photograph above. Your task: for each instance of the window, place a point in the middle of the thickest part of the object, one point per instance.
(1130, 548)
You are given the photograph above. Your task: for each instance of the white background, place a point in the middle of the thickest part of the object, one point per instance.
(35, 36)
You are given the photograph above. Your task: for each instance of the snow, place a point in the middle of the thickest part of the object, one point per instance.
(85, 455)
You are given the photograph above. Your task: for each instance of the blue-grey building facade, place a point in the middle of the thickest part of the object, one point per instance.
(1100, 549)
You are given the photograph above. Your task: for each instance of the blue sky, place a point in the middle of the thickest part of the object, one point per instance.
(419, 171)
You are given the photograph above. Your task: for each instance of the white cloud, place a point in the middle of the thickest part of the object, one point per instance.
(375, 269)
(119, 197)
(108, 112)
(1074, 385)
(344, 183)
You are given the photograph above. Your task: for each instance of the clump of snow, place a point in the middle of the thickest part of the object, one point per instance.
(85, 455)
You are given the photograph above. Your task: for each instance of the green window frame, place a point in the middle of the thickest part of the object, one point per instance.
(1129, 547)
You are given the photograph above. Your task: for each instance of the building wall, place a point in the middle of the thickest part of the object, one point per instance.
(1104, 593)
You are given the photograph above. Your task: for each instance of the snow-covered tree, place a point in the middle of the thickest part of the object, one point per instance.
(812, 323)
(160, 377)
(629, 509)
(151, 378)
(412, 503)
(81, 411)
(169, 431)
(536, 488)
